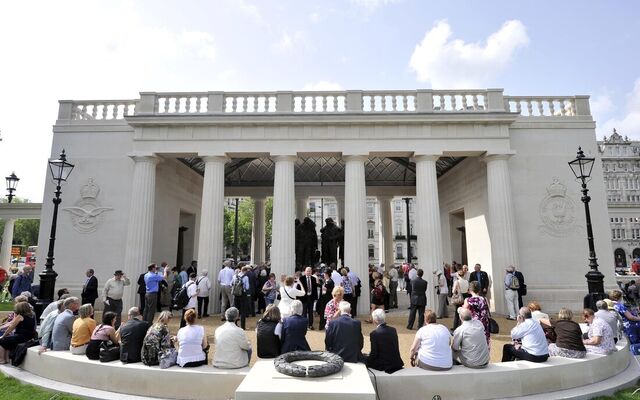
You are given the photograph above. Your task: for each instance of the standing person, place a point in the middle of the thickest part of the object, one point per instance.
(356, 284)
(511, 286)
(442, 291)
(460, 286)
(142, 291)
(112, 295)
(252, 295)
(481, 277)
(164, 285)
(240, 291)
(479, 307)
(522, 290)
(176, 284)
(310, 287)
(193, 268)
(377, 295)
(418, 300)
(204, 287)
(225, 277)
(270, 290)
(346, 284)
(325, 296)
(288, 293)
(152, 281)
(131, 336)
(393, 287)
(331, 310)
(184, 276)
(23, 282)
(90, 288)
(192, 293)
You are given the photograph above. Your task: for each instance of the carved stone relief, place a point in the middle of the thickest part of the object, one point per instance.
(87, 214)
(557, 211)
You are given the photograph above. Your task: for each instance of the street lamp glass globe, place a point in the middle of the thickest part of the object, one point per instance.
(582, 165)
(12, 182)
(60, 168)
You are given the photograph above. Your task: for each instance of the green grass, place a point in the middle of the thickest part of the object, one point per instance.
(6, 306)
(11, 389)
(626, 394)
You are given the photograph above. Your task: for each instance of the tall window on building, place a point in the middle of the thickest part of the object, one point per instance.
(397, 205)
(370, 208)
(371, 252)
(399, 228)
(370, 227)
(399, 254)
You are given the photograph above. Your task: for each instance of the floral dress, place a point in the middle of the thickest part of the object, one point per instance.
(631, 328)
(480, 311)
(155, 342)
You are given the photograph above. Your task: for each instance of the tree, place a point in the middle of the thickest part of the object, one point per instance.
(245, 225)
(25, 231)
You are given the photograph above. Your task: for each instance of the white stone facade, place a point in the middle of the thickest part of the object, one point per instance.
(621, 166)
(509, 187)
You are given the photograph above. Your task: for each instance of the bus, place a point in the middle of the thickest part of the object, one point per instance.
(30, 256)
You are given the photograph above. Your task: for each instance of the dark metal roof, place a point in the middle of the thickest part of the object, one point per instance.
(379, 171)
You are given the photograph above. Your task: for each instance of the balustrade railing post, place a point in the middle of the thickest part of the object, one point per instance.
(147, 103)
(354, 101)
(65, 109)
(284, 102)
(495, 100)
(215, 102)
(424, 100)
(582, 106)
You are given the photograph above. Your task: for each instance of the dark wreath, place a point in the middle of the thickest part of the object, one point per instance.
(333, 363)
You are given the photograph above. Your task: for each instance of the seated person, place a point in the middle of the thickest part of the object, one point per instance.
(469, 341)
(431, 348)
(63, 325)
(536, 311)
(385, 350)
(267, 333)
(630, 321)
(46, 328)
(21, 330)
(104, 333)
(294, 329)
(233, 349)
(532, 344)
(62, 294)
(192, 342)
(568, 336)
(6, 321)
(606, 312)
(131, 335)
(344, 335)
(600, 336)
(83, 327)
(157, 340)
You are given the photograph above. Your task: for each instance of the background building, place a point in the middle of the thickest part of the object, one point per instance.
(621, 167)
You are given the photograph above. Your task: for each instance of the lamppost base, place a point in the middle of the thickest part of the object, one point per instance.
(47, 288)
(595, 281)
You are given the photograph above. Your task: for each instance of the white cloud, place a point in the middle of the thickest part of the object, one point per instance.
(628, 122)
(320, 86)
(451, 63)
(372, 5)
(289, 41)
(601, 104)
(249, 9)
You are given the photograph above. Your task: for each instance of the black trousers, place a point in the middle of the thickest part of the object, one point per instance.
(241, 303)
(412, 316)
(142, 303)
(510, 353)
(203, 311)
(308, 311)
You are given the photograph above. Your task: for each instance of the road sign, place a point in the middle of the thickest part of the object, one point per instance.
(15, 251)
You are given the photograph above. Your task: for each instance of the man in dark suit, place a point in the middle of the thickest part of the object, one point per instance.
(418, 300)
(385, 351)
(142, 291)
(310, 286)
(344, 335)
(131, 335)
(90, 289)
(482, 277)
(522, 291)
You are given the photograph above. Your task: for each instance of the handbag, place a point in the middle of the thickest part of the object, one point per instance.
(457, 299)
(168, 358)
(20, 352)
(109, 352)
(493, 326)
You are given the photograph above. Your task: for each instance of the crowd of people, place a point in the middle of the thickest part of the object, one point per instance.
(289, 305)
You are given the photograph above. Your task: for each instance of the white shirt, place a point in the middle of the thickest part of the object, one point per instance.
(354, 280)
(114, 288)
(49, 309)
(538, 315)
(287, 295)
(231, 347)
(204, 286)
(190, 340)
(434, 349)
(336, 277)
(393, 274)
(192, 290)
(225, 276)
(442, 283)
(533, 340)
(412, 274)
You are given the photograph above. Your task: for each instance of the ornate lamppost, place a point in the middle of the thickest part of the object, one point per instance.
(12, 184)
(60, 170)
(409, 255)
(581, 168)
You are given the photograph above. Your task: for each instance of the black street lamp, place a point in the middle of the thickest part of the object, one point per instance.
(581, 168)
(12, 184)
(60, 170)
(409, 255)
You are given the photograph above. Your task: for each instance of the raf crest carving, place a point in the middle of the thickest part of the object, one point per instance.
(557, 211)
(87, 214)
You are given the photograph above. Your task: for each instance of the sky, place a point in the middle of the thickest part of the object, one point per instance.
(87, 50)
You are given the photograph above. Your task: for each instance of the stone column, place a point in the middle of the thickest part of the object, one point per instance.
(386, 232)
(7, 240)
(283, 257)
(210, 241)
(137, 253)
(355, 216)
(301, 208)
(502, 224)
(258, 231)
(429, 230)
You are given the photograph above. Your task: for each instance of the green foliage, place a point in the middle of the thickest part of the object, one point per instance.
(627, 394)
(25, 231)
(245, 225)
(11, 389)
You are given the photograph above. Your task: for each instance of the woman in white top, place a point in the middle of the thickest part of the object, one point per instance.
(193, 346)
(461, 285)
(431, 349)
(288, 293)
(443, 292)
